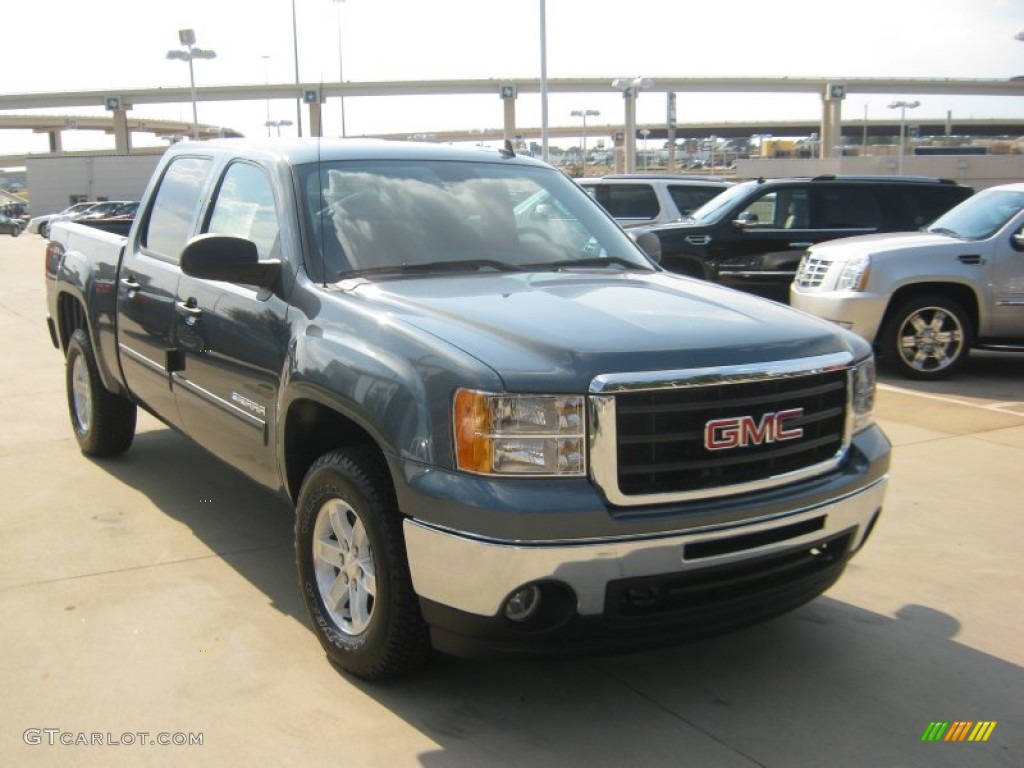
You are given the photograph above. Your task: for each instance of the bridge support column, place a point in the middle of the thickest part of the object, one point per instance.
(122, 136)
(316, 122)
(831, 119)
(56, 140)
(507, 93)
(629, 138)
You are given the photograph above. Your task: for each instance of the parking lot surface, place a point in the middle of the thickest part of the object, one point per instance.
(153, 598)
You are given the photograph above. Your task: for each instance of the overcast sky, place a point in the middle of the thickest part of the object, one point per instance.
(56, 45)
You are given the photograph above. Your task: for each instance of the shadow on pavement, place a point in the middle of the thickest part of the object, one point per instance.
(830, 684)
(992, 375)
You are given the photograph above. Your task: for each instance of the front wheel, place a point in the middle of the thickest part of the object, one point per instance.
(353, 572)
(104, 423)
(927, 337)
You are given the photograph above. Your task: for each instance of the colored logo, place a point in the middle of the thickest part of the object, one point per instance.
(958, 730)
(741, 431)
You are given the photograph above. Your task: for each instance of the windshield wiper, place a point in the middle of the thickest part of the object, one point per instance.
(944, 231)
(453, 265)
(595, 261)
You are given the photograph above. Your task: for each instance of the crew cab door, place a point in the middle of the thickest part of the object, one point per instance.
(1008, 282)
(234, 338)
(148, 281)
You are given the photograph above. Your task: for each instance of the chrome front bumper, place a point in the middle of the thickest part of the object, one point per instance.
(477, 576)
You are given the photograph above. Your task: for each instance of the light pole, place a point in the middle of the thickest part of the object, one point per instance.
(341, 75)
(584, 113)
(903, 106)
(630, 87)
(266, 84)
(298, 83)
(277, 124)
(645, 132)
(187, 37)
(544, 148)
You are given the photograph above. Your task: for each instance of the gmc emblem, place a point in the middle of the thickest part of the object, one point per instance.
(741, 431)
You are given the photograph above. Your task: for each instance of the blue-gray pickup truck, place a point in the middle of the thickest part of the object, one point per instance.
(505, 429)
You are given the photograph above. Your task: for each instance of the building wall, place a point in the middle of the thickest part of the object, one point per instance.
(978, 171)
(54, 182)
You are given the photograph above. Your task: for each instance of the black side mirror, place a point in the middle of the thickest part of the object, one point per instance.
(228, 258)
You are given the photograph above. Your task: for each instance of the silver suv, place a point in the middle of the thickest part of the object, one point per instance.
(644, 199)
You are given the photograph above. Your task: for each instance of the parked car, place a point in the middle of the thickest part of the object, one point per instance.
(924, 299)
(117, 220)
(41, 224)
(646, 199)
(10, 226)
(752, 236)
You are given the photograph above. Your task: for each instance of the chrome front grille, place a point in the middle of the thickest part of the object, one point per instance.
(812, 272)
(657, 441)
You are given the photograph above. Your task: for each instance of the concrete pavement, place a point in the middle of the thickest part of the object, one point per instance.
(156, 594)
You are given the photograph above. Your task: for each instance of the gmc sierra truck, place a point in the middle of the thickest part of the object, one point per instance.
(926, 298)
(505, 429)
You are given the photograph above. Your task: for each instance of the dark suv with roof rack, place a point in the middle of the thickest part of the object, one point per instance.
(752, 236)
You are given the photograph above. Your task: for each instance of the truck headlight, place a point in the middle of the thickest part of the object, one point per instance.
(864, 380)
(504, 434)
(854, 276)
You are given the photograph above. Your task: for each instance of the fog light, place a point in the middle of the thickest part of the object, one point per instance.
(523, 603)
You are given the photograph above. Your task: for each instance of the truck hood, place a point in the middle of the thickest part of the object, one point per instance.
(846, 248)
(539, 331)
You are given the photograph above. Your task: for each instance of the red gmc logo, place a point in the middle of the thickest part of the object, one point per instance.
(740, 431)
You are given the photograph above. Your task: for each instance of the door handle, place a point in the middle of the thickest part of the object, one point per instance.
(188, 308)
(130, 283)
(800, 245)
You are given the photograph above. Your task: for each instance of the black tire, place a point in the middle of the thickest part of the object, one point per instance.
(104, 423)
(16, 232)
(927, 337)
(361, 603)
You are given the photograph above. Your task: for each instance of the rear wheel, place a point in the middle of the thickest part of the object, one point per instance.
(104, 423)
(927, 337)
(353, 573)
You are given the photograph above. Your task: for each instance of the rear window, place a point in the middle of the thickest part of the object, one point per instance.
(627, 201)
(689, 199)
(175, 206)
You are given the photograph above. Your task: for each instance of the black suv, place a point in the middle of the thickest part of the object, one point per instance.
(752, 236)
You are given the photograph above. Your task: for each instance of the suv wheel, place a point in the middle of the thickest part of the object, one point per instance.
(927, 337)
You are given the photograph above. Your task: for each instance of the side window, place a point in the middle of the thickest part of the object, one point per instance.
(851, 209)
(629, 201)
(761, 212)
(689, 199)
(244, 206)
(175, 206)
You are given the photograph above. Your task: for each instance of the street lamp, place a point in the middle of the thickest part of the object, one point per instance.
(903, 106)
(266, 84)
(187, 37)
(277, 124)
(341, 76)
(630, 87)
(645, 132)
(584, 113)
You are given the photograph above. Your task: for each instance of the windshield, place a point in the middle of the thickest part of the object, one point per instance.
(713, 210)
(387, 217)
(980, 216)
